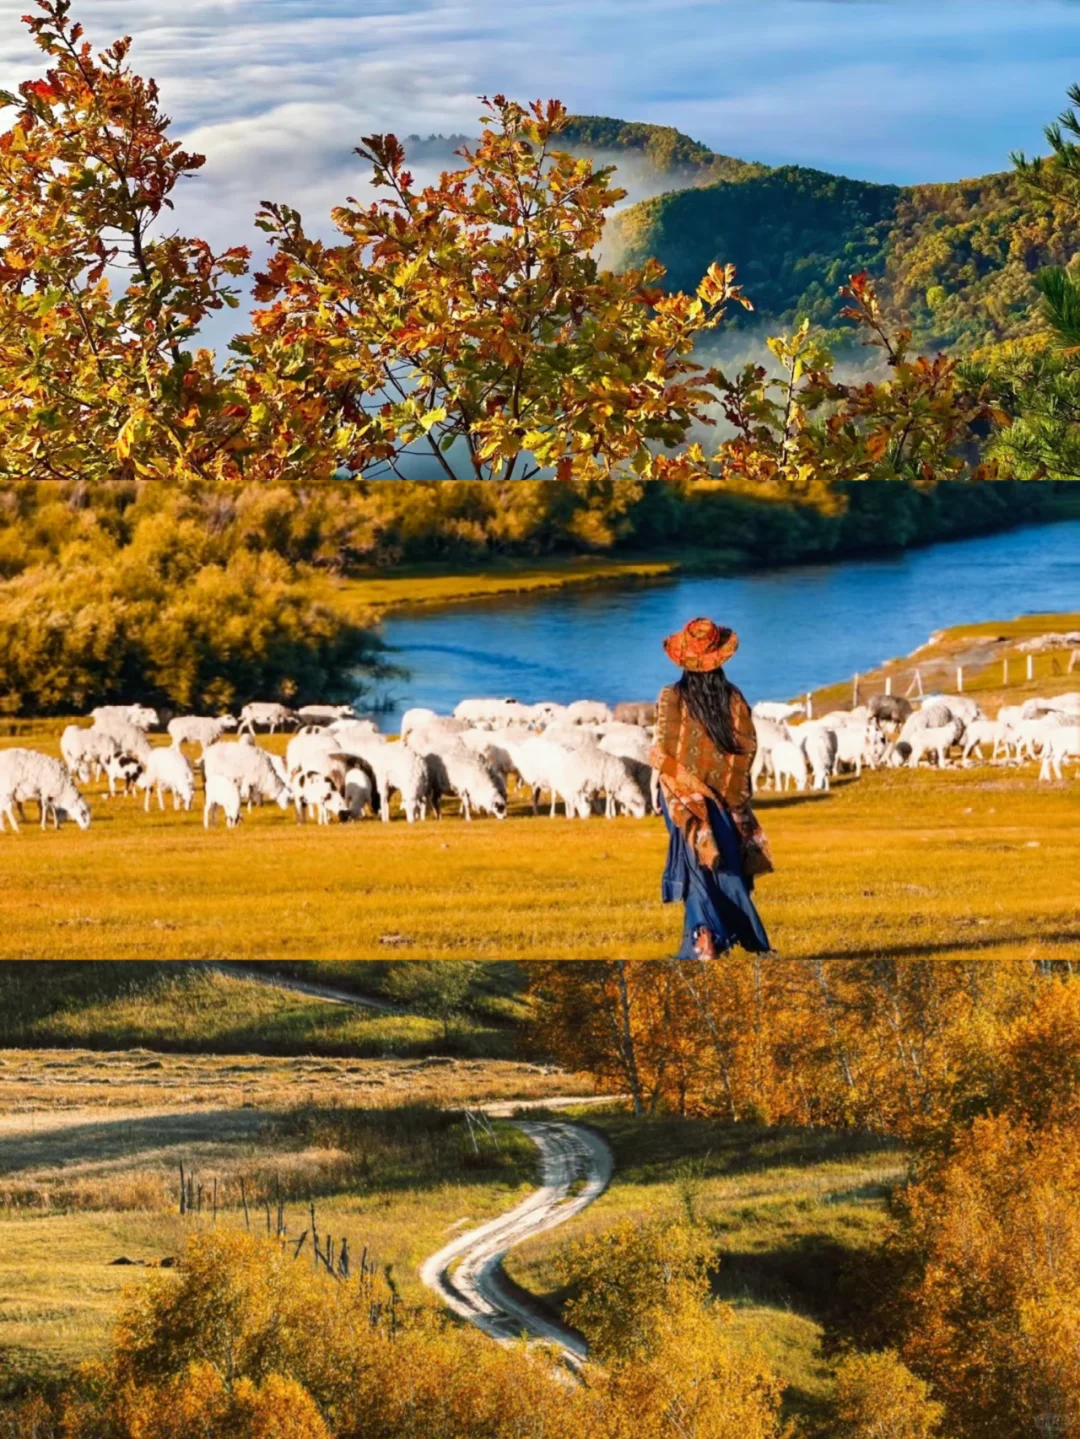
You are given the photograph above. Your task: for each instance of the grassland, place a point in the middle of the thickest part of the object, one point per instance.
(92, 1143)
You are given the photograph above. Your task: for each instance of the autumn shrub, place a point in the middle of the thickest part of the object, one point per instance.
(878, 1397)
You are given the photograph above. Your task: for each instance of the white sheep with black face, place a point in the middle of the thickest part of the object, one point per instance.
(25, 774)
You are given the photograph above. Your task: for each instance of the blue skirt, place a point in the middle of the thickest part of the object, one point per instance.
(716, 899)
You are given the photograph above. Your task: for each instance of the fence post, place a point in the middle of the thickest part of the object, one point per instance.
(1074, 661)
(959, 679)
(855, 692)
(810, 704)
(183, 1190)
(1031, 667)
(888, 684)
(243, 1201)
(1005, 672)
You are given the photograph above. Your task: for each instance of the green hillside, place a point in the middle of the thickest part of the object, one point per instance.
(956, 259)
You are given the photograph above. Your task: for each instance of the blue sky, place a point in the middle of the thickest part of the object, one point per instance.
(276, 92)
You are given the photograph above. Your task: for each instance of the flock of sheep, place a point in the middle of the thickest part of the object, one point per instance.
(890, 730)
(584, 754)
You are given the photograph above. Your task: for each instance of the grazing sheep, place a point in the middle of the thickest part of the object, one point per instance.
(86, 751)
(353, 727)
(789, 763)
(359, 792)
(635, 712)
(400, 768)
(167, 769)
(203, 730)
(316, 794)
(256, 777)
(820, 745)
(889, 709)
(26, 774)
(222, 793)
(129, 738)
(961, 707)
(453, 768)
(937, 740)
(858, 745)
(358, 735)
(140, 716)
(266, 715)
(484, 713)
(124, 769)
(1062, 743)
(984, 731)
(317, 754)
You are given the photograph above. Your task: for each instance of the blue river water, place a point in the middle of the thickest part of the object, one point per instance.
(799, 627)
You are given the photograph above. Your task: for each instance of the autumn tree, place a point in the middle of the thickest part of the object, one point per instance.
(465, 329)
(100, 305)
(803, 430)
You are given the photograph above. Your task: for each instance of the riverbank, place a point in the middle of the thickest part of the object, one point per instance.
(762, 534)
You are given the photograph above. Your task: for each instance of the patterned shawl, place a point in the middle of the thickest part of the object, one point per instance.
(692, 769)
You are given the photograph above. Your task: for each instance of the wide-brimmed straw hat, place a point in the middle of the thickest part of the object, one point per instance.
(701, 645)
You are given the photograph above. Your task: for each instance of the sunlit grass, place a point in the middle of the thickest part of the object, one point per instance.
(949, 865)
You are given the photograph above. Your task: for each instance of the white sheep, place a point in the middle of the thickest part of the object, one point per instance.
(400, 768)
(984, 731)
(360, 792)
(937, 740)
(140, 716)
(317, 753)
(484, 713)
(266, 715)
(222, 793)
(203, 730)
(326, 714)
(589, 712)
(858, 745)
(251, 767)
(769, 734)
(26, 774)
(453, 768)
(129, 738)
(789, 763)
(1061, 744)
(167, 770)
(86, 751)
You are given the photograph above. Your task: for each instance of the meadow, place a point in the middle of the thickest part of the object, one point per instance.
(92, 1144)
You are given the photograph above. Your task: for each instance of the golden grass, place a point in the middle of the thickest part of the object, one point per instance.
(788, 1210)
(949, 865)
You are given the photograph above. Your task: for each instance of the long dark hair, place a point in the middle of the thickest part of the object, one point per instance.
(708, 698)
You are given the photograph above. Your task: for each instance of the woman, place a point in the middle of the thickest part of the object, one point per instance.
(703, 751)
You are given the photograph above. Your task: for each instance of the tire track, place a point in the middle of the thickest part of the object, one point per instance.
(476, 1289)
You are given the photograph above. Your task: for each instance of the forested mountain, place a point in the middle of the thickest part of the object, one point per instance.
(955, 259)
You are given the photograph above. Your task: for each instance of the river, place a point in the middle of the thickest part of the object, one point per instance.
(800, 626)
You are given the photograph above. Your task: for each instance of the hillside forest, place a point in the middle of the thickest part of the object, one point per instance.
(466, 336)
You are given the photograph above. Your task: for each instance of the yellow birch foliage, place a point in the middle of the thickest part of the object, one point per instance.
(878, 1397)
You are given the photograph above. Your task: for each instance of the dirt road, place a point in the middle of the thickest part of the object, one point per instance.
(576, 1167)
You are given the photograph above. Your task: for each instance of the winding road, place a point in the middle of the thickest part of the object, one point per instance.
(576, 1167)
